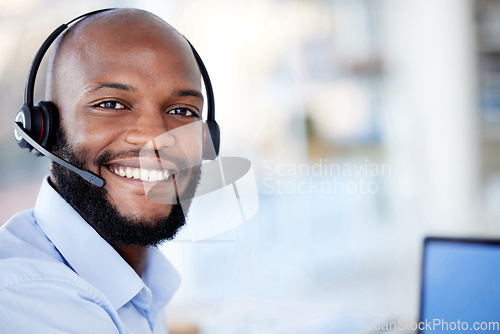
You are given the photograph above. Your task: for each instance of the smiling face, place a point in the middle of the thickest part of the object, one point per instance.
(128, 92)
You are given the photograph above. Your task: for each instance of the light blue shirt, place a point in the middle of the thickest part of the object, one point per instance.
(57, 275)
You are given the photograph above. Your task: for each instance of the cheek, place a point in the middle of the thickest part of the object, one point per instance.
(189, 142)
(192, 149)
(195, 155)
(91, 135)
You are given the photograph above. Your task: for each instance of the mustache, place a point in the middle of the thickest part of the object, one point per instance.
(108, 156)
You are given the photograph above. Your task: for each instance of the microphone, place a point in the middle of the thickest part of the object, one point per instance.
(88, 176)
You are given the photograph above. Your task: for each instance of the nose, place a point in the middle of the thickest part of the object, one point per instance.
(150, 128)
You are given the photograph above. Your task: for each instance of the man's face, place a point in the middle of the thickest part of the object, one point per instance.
(130, 107)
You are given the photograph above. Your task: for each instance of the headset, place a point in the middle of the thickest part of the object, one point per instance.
(35, 125)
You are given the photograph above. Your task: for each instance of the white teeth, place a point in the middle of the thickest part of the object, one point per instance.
(129, 173)
(142, 174)
(137, 173)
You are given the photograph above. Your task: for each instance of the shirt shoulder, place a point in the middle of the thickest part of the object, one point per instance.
(21, 237)
(40, 292)
(39, 296)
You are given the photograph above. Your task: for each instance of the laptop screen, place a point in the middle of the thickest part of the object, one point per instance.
(460, 286)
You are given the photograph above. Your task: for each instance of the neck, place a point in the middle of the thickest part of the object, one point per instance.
(135, 256)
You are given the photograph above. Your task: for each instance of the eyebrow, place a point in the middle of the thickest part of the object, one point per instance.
(127, 88)
(189, 92)
(113, 85)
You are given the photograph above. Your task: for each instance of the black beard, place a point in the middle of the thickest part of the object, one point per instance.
(92, 204)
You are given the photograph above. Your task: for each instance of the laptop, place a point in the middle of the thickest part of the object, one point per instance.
(460, 286)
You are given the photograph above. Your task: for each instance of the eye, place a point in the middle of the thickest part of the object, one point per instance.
(181, 112)
(113, 105)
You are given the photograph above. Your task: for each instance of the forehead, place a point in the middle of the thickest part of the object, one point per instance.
(137, 48)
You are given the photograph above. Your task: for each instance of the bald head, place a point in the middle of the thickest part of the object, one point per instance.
(121, 33)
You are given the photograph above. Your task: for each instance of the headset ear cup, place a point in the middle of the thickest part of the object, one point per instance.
(34, 125)
(211, 140)
(23, 118)
(50, 118)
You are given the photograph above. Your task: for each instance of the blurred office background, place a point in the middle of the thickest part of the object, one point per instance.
(369, 124)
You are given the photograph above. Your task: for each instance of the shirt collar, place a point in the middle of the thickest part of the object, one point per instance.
(95, 260)
(161, 278)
